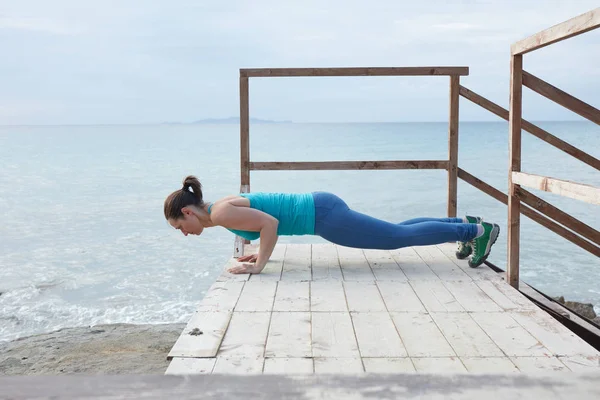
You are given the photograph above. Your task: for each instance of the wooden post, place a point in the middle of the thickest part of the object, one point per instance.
(453, 145)
(238, 250)
(514, 205)
(244, 132)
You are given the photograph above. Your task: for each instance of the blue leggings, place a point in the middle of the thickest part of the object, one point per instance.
(337, 223)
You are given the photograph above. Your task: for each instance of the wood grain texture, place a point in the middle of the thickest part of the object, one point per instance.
(574, 26)
(574, 190)
(346, 165)
(514, 147)
(353, 71)
(453, 146)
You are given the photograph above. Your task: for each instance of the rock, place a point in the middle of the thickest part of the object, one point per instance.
(597, 320)
(584, 309)
(102, 349)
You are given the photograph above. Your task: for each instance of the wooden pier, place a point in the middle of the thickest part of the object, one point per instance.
(324, 309)
(319, 309)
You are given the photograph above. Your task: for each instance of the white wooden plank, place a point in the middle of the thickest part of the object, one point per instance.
(239, 365)
(288, 366)
(522, 302)
(485, 365)
(226, 276)
(190, 366)
(327, 296)
(564, 30)
(354, 264)
(412, 265)
(501, 299)
(296, 265)
(437, 261)
(471, 297)
(574, 190)
(555, 336)
(377, 335)
(363, 296)
(465, 336)
(388, 274)
(421, 336)
(292, 296)
(483, 272)
(538, 364)
(246, 335)
(289, 335)
(338, 366)
(388, 365)
(272, 271)
(257, 296)
(400, 296)
(383, 265)
(222, 296)
(333, 335)
(512, 339)
(325, 262)
(192, 343)
(439, 365)
(435, 297)
(581, 363)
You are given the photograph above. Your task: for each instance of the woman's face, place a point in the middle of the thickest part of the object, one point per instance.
(189, 224)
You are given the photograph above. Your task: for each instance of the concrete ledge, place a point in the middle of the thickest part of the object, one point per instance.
(348, 387)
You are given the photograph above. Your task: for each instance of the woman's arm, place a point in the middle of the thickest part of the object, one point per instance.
(249, 219)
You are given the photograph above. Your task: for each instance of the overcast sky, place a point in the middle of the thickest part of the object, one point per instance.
(150, 61)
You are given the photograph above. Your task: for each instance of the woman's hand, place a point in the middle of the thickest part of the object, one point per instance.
(249, 258)
(245, 268)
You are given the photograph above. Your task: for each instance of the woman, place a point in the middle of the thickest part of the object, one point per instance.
(268, 215)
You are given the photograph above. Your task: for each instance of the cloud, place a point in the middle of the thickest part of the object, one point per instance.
(149, 61)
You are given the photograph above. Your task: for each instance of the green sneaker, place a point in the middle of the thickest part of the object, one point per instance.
(483, 244)
(464, 248)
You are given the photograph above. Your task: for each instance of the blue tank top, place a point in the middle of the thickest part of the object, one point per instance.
(294, 211)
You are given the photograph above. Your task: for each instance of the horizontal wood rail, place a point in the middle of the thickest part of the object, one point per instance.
(560, 97)
(518, 79)
(558, 215)
(531, 128)
(450, 165)
(530, 213)
(574, 190)
(575, 26)
(347, 165)
(351, 71)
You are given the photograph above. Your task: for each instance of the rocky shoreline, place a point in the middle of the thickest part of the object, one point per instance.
(584, 309)
(101, 349)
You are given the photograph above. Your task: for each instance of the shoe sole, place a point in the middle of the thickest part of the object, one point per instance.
(493, 237)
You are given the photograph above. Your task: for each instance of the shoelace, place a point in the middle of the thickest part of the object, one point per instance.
(474, 245)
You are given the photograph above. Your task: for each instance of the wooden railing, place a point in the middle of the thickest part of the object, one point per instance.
(451, 164)
(534, 207)
(516, 178)
(534, 202)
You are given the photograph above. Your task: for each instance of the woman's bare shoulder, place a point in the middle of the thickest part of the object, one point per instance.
(234, 200)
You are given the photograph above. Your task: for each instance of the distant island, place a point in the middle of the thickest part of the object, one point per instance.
(230, 120)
